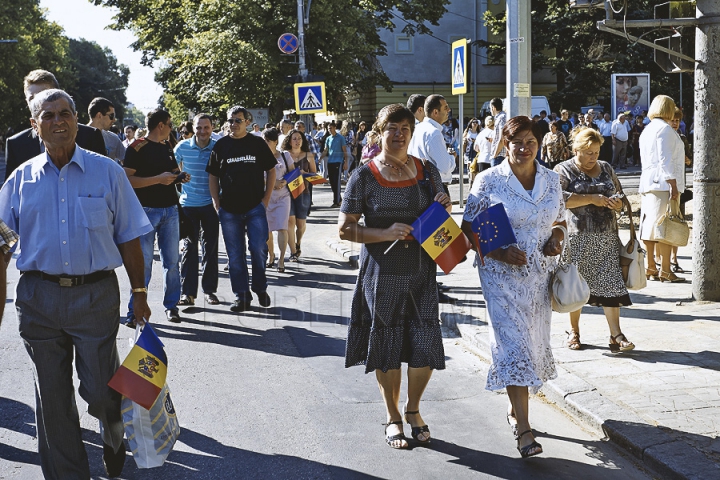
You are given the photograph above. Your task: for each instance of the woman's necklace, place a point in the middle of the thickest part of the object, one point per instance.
(399, 170)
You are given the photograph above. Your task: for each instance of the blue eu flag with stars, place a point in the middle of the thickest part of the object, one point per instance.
(493, 229)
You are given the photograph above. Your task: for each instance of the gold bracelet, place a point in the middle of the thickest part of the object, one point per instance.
(139, 290)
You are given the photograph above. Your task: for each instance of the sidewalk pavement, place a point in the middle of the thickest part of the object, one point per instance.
(661, 401)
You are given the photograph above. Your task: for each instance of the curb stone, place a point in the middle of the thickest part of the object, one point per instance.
(671, 458)
(345, 249)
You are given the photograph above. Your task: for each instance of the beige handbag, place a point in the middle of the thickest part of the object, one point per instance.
(671, 227)
(632, 257)
(568, 289)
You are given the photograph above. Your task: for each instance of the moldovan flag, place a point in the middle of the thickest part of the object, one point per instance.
(142, 375)
(295, 182)
(441, 237)
(493, 229)
(314, 178)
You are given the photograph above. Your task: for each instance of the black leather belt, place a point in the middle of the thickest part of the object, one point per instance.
(69, 280)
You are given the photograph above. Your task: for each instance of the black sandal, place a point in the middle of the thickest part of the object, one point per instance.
(417, 431)
(677, 268)
(525, 451)
(293, 257)
(297, 249)
(397, 437)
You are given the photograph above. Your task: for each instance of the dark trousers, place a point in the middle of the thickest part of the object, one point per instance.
(58, 324)
(196, 218)
(334, 173)
(606, 150)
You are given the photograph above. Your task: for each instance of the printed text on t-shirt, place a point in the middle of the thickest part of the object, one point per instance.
(243, 159)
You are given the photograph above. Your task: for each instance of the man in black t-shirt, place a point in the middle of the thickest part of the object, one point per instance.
(152, 170)
(564, 124)
(240, 192)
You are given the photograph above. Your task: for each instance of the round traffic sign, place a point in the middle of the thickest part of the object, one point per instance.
(288, 43)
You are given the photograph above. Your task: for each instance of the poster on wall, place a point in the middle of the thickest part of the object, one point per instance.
(630, 93)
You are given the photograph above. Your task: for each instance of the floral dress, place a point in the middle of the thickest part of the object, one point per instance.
(593, 242)
(394, 314)
(517, 297)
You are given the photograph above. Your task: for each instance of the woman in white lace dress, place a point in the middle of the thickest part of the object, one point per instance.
(515, 279)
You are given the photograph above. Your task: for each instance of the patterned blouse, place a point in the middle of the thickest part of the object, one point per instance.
(589, 218)
(554, 148)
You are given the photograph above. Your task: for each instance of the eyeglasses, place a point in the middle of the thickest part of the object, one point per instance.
(111, 115)
(235, 120)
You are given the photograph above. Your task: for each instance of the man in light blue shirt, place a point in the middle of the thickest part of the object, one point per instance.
(192, 156)
(605, 127)
(337, 153)
(78, 220)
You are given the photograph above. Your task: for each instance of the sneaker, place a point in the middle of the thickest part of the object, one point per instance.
(240, 305)
(211, 299)
(113, 461)
(172, 316)
(264, 299)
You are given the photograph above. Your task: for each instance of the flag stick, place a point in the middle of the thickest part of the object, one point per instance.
(390, 247)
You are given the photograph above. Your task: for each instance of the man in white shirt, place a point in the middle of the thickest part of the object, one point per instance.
(416, 104)
(604, 127)
(428, 143)
(619, 134)
(498, 148)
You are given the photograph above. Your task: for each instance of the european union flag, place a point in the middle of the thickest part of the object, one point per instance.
(493, 229)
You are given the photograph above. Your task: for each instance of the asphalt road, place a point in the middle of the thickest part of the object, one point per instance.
(265, 394)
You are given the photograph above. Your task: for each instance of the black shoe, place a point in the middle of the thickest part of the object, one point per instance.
(264, 299)
(226, 268)
(240, 305)
(211, 299)
(442, 288)
(172, 316)
(113, 461)
(335, 205)
(443, 298)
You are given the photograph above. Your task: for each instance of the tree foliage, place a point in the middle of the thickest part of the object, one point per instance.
(96, 73)
(83, 69)
(583, 58)
(40, 45)
(216, 53)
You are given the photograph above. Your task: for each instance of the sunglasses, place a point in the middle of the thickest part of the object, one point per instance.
(111, 115)
(184, 132)
(235, 120)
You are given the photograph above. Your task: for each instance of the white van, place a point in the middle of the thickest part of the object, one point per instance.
(538, 103)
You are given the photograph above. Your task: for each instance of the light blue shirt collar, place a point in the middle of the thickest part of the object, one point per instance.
(40, 161)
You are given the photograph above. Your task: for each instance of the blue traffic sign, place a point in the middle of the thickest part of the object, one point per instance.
(288, 43)
(459, 67)
(310, 98)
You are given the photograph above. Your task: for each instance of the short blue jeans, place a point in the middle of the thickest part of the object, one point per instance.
(234, 228)
(166, 226)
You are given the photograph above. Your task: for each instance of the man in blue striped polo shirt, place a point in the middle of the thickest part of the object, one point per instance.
(197, 207)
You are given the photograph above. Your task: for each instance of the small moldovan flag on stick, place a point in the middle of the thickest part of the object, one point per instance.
(493, 229)
(295, 182)
(142, 374)
(314, 178)
(441, 237)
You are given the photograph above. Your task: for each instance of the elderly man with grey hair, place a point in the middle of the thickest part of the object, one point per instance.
(78, 220)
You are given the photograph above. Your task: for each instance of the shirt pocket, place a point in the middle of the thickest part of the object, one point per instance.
(93, 213)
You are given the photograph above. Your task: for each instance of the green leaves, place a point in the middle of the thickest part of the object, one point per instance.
(217, 53)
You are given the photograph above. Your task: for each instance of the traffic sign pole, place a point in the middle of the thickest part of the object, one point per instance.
(459, 81)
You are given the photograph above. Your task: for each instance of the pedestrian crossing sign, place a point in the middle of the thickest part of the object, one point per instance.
(310, 98)
(459, 67)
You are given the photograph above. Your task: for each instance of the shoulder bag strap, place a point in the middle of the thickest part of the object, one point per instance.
(628, 208)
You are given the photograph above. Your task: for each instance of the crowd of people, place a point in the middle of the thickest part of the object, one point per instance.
(83, 205)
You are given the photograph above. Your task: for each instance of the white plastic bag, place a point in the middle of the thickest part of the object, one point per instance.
(151, 433)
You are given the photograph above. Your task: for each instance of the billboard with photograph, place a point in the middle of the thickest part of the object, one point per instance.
(630, 93)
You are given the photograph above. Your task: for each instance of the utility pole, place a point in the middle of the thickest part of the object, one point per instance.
(706, 172)
(519, 69)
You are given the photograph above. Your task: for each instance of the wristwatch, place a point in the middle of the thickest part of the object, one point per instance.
(139, 290)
